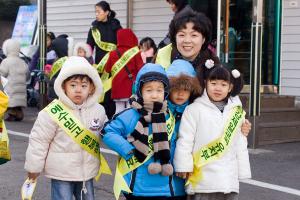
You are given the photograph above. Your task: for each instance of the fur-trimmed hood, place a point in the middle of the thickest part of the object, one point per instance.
(182, 75)
(86, 47)
(77, 65)
(11, 47)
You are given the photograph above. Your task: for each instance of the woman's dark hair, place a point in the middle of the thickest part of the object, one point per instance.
(149, 42)
(51, 35)
(180, 4)
(106, 7)
(219, 72)
(202, 24)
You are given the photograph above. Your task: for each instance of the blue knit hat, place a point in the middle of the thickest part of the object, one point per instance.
(151, 72)
(180, 66)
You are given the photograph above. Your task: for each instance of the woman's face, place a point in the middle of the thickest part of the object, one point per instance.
(173, 6)
(189, 42)
(101, 15)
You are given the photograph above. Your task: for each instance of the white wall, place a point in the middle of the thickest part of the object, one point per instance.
(290, 48)
(74, 17)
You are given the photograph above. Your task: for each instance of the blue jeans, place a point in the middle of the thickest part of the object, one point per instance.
(64, 190)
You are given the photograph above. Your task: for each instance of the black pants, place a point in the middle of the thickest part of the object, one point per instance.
(131, 197)
(109, 105)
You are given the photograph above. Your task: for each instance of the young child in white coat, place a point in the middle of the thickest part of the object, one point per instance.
(226, 161)
(52, 150)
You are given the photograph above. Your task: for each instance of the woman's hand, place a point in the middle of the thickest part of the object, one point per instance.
(246, 127)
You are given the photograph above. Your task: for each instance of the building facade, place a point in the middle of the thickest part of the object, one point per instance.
(280, 42)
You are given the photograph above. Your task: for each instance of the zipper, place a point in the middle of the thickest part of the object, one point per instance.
(132, 180)
(84, 189)
(171, 185)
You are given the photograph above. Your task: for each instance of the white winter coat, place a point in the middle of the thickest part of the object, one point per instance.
(16, 72)
(201, 123)
(50, 148)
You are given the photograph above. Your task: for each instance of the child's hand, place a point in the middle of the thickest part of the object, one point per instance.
(246, 127)
(33, 176)
(183, 175)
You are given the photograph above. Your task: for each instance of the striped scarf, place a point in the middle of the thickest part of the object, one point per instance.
(151, 113)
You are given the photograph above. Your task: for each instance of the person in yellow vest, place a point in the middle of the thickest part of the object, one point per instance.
(63, 141)
(214, 157)
(103, 33)
(190, 34)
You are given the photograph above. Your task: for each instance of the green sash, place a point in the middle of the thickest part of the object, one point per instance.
(57, 66)
(218, 147)
(77, 132)
(116, 68)
(126, 166)
(106, 46)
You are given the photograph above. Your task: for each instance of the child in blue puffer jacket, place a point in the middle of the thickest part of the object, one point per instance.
(144, 136)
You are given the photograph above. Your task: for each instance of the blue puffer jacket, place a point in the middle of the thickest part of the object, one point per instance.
(140, 181)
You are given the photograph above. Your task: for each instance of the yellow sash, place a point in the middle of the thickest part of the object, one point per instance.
(4, 144)
(57, 66)
(79, 134)
(218, 147)
(126, 166)
(106, 46)
(3, 103)
(116, 68)
(164, 56)
(102, 63)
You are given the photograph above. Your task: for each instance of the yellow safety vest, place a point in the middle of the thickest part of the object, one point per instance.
(164, 56)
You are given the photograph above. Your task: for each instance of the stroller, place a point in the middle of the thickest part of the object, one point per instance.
(2, 56)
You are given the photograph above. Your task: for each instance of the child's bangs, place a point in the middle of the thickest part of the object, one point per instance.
(219, 73)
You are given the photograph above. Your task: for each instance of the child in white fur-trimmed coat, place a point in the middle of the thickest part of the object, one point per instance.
(202, 124)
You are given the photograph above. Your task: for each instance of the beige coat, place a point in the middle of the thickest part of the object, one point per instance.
(16, 72)
(50, 149)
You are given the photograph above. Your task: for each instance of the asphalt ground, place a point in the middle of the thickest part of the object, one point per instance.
(275, 169)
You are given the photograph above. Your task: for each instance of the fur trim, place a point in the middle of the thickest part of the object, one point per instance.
(77, 65)
(11, 47)
(87, 48)
(186, 82)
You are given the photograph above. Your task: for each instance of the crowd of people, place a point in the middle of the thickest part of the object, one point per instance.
(171, 112)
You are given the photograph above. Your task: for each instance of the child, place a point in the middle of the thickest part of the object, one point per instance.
(201, 146)
(123, 79)
(16, 71)
(184, 88)
(52, 149)
(148, 49)
(82, 49)
(130, 133)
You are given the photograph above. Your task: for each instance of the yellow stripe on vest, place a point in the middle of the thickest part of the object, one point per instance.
(57, 66)
(106, 46)
(79, 134)
(126, 166)
(218, 147)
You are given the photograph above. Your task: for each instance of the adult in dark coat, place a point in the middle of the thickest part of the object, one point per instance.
(107, 25)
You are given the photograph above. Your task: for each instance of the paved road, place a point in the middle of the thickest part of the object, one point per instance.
(273, 166)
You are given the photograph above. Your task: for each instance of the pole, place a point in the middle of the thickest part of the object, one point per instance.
(219, 28)
(42, 44)
(255, 68)
(226, 35)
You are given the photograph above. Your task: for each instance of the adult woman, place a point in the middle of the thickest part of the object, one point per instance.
(177, 6)
(103, 33)
(190, 34)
